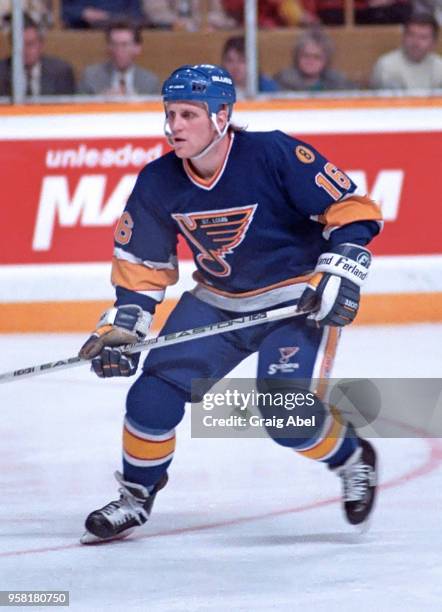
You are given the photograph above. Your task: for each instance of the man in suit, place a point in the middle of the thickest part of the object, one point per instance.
(45, 75)
(119, 75)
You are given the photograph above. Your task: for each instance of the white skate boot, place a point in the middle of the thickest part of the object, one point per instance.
(359, 481)
(119, 518)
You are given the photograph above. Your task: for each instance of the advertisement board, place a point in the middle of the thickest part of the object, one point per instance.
(64, 205)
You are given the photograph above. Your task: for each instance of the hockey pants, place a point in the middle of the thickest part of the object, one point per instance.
(287, 350)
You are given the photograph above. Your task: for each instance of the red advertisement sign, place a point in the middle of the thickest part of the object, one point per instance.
(61, 198)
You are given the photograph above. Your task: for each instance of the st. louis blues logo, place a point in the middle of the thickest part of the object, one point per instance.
(284, 365)
(216, 233)
(287, 352)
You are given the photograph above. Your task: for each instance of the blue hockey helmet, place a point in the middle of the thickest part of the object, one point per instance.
(206, 83)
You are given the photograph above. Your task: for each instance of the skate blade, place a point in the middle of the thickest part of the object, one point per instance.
(362, 528)
(90, 538)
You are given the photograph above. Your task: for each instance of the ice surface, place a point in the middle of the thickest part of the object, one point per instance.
(243, 525)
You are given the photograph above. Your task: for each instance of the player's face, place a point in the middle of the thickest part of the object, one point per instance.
(191, 128)
(418, 41)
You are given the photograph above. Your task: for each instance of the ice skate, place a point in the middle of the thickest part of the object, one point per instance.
(359, 480)
(119, 518)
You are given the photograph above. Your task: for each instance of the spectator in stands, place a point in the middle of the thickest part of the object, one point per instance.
(233, 58)
(39, 10)
(331, 12)
(414, 65)
(120, 75)
(273, 13)
(187, 15)
(191, 15)
(311, 70)
(268, 12)
(81, 14)
(45, 75)
(161, 14)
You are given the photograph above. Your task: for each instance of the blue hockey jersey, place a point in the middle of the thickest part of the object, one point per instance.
(256, 228)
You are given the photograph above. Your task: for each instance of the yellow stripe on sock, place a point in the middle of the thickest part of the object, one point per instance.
(330, 442)
(146, 449)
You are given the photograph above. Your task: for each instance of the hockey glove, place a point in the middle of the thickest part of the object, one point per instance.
(117, 326)
(333, 292)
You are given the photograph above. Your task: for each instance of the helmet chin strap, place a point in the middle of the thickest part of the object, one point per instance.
(209, 147)
(216, 140)
(168, 131)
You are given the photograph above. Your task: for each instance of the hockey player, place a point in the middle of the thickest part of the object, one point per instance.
(270, 222)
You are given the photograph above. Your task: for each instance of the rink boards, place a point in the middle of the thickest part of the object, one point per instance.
(66, 173)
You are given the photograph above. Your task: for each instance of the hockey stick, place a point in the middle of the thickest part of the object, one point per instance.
(152, 343)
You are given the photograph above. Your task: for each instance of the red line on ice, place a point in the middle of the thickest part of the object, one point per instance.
(433, 461)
